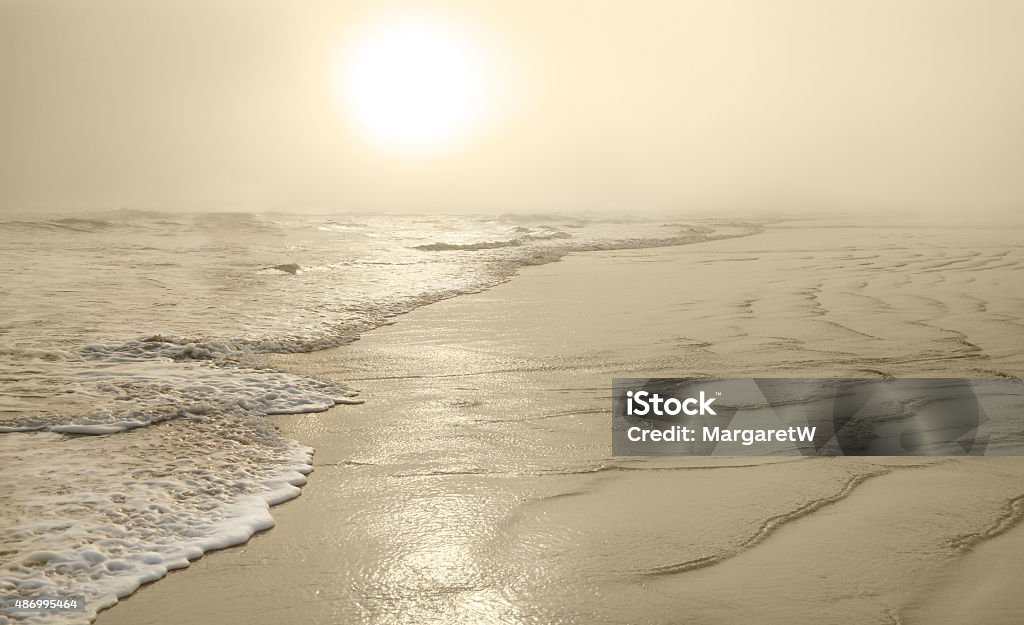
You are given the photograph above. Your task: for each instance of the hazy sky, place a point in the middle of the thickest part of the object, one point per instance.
(898, 105)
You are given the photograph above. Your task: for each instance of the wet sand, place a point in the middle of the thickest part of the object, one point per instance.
(476, 483)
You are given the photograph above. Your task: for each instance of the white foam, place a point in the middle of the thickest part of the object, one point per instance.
(180, 460)
(123, 392)
(100, 517)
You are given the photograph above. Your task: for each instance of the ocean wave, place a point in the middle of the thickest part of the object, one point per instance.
(77, 223)
(526, 235)
(145, 382)
(159, 346)
(99, 518)
(235, 221)
(482, 245)
(74, 224)
(206, 303)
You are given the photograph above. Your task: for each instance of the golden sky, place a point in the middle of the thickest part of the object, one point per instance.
(504, 105)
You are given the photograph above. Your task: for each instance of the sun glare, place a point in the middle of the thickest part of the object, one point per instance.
(412, 82)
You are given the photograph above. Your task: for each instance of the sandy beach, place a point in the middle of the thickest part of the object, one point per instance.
(365, 313)
(476, 484)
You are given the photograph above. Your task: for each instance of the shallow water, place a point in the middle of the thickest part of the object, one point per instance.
(477, 485)
(133, 396)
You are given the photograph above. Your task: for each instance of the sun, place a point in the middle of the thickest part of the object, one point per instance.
(412, 82)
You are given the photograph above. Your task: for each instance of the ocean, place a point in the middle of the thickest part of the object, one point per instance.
(134, 396)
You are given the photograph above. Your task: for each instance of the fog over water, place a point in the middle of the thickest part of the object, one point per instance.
(910, 108)
(211, 211)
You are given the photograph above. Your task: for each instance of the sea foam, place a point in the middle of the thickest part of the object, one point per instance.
(133, 435)
(100, 516)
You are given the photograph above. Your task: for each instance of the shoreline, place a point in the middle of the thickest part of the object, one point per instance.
(501, 395)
